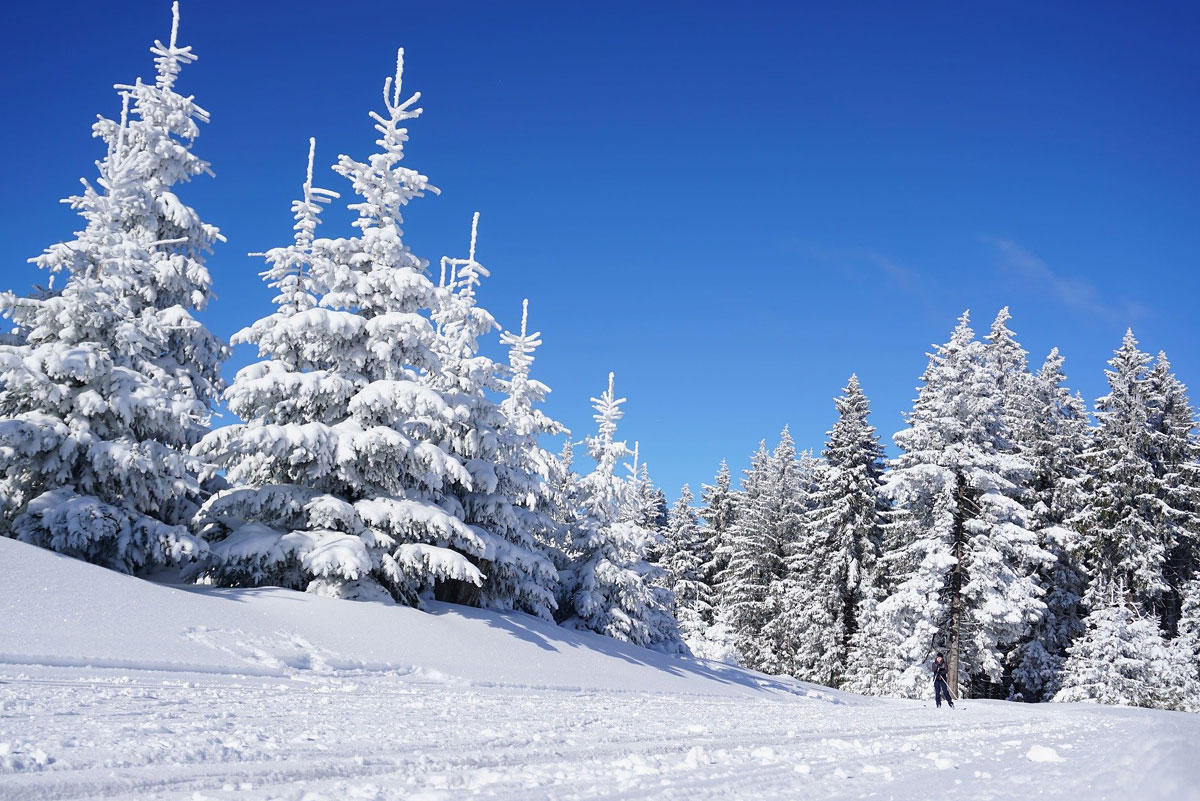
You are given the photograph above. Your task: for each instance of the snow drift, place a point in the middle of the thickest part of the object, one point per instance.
(58, 611)
(115, 687)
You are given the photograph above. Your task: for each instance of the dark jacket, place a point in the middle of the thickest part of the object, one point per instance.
(940, 671)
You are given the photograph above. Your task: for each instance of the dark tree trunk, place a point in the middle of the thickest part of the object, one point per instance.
(957, 580)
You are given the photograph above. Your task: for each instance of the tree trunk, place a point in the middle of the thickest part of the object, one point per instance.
(957, 578)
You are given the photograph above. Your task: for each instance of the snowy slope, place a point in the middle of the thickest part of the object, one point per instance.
(58, 611)
(112, 687)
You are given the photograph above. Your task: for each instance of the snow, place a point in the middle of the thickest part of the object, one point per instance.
(111, 686)
(1041, 753)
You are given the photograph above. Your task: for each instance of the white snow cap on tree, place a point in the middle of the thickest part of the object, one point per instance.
(106, 382)
(340, 461)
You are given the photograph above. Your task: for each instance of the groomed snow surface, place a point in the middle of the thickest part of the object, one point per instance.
(113, 687)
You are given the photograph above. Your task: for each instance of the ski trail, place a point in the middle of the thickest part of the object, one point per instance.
(70, 733)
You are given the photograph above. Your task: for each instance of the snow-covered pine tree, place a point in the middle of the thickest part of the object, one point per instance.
(1056, 440)
(533, 475)
(1175, 454)
(609, 585)
(1183, 653)
(1009, 364)
(1124, 538)
(846, 535)
(718, 512)
(565, 497)
(518, 574)
(693, 598)
(767, 530)
(107, 382)
(1120, 658)
(971, 589)
(339, 458)
(644, 502)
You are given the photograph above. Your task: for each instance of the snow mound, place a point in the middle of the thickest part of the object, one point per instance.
(57, 611)
(1041, 753)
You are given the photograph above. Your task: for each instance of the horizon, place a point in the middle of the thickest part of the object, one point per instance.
(937, 169)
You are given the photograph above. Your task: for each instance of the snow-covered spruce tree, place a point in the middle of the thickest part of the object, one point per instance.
(339, 458)
(1125, 540)
(1056, 440)
(609, 585)
(1175, 453)
(718, 512)
(532, 475)
(518, 573)
(795, 611)
(1120, 658)
(1008, 362)
(1183, 653)
(683, 565)
(644, 503)
(565, 498)
(769, 524)
(971, 589)
(846, 534)
(107, 381)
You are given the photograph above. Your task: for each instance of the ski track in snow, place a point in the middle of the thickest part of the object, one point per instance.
(117, 688)
(75, 733)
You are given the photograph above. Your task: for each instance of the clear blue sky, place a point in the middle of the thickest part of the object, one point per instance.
(733, 206)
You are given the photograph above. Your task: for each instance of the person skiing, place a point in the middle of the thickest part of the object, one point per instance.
(941, 685)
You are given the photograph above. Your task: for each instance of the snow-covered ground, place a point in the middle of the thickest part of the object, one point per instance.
(112, 687)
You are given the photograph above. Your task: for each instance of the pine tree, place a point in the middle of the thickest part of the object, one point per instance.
(1056, 440)
(1124, 539)
(1175, 454)
(532, 474)
(518, 574)
(107, 382)
(767, 530)
(1120, 658)
(683, 565)
(718, 512)
(610, 586)
(1008, 362)
(565, 499)
(841, 560)
(339, 458)
(1183, 653)
(970, 589)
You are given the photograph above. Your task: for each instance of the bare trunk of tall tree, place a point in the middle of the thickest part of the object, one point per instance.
(957, 579)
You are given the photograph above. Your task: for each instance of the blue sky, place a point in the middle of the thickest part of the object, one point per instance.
(731, 206)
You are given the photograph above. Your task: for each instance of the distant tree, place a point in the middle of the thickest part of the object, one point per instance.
(1120, 658)
(970, 587)
(610, 585)
(1056, 441)
(718, 512)
(840, 560)
(693, 598)
(1125, 540)
(1175, 454)
(768, 525)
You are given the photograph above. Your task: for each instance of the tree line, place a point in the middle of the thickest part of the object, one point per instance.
(1047, 556)
(1050, 552)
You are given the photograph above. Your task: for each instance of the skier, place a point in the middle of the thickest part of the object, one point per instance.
(941, 685)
